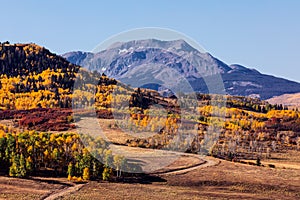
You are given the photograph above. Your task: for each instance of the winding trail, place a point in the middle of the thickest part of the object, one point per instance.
(152, 160)
(63, 192)
(208, 162)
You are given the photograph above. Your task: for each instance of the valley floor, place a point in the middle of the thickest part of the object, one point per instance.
(227, 180)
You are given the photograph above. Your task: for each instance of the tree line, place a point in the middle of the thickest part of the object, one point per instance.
(64, 154)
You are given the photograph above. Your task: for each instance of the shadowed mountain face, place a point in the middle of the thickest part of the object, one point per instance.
(163, 65)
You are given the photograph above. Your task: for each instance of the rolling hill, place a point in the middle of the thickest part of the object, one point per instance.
(286, 99)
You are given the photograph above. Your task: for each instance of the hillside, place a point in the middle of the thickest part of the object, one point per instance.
(32, 76)
(147, 61)
(36, 94)
(286, 99)
(46, 82)
(37, 134)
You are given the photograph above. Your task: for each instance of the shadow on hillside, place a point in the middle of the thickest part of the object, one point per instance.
(49, 181)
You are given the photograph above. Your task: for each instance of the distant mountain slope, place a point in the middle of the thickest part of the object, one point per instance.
(253, 83)
(286, 99)
(149, 60)
(78, 57)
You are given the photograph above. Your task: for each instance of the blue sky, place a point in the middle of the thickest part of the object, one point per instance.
(260, 34)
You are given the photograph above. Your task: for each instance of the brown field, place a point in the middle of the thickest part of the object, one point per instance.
(101, 127)
(226, 180)
(291, 100)
(283, 160)
(32, 188)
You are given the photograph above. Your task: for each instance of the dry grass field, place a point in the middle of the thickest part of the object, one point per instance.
(33, 188)
(226, 180)
(292, 100)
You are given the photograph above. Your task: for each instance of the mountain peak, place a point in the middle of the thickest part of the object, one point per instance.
(171, 45)
(240, 68)
(153, 60)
